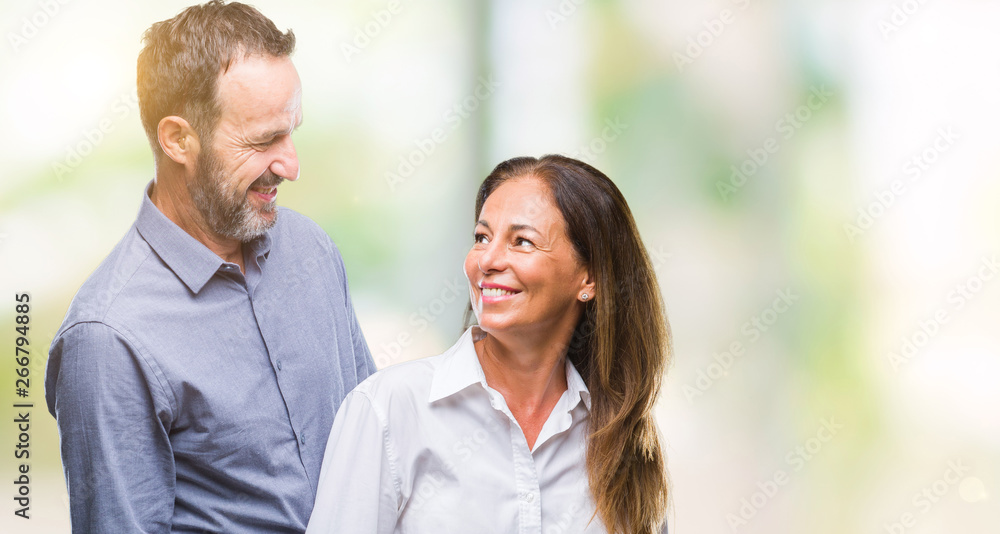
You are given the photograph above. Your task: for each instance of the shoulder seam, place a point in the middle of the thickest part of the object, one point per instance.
(140, 352)
(126, 283)
(390, 450)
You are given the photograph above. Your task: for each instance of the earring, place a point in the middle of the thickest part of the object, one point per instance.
(584, 297)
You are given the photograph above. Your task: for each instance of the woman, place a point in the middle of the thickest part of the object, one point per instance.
(540, 418)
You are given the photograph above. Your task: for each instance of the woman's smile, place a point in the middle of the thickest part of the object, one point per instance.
(523, 272)
(493, 293)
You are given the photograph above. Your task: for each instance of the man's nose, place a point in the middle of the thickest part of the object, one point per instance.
(286, 161)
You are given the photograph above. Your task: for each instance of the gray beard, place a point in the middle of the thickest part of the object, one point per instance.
(230, 215)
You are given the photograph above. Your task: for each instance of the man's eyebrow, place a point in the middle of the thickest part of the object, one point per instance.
(271, 134)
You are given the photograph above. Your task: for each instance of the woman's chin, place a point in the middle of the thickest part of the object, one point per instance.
(493, 325)
(505, 328)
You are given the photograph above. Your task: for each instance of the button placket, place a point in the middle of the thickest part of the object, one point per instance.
(526, 480)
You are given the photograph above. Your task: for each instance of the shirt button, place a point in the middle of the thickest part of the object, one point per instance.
(529, 497)
(278, 364)
(302, 439)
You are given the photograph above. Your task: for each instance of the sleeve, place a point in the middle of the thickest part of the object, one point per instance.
(358, 483)
(115, 448)
(363, 363)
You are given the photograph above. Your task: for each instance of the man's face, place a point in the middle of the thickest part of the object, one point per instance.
(251, 150)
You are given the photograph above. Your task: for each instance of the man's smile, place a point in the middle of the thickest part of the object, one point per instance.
(268, 194)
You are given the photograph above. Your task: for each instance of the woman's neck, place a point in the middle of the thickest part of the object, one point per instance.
(529, 373)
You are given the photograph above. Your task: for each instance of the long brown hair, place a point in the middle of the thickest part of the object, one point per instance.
(621, 345)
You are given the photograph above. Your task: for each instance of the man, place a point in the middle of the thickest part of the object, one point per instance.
(196, 375)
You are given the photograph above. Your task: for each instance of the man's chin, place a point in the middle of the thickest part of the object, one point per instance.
(264, 221)
(258, 212)
(267, 213)
(254, 226)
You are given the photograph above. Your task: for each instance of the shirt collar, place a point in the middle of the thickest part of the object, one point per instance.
(460, 368)
(576, 386)
(187, 257)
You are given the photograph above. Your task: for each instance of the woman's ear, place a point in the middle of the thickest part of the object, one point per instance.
(586, 292)
(178, 140)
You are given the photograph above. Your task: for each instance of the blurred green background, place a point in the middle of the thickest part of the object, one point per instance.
(816, 182)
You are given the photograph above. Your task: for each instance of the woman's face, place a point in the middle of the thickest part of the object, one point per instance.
(523, 273)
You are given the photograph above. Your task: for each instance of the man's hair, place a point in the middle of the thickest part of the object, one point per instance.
(182, 58)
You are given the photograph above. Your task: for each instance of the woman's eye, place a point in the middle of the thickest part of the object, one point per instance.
(481, 238)
(522, 242)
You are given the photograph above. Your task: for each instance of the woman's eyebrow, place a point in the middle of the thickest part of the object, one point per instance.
(513, 227)
(518, 227)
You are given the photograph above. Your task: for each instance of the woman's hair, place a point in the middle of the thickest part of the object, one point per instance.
(621, 345)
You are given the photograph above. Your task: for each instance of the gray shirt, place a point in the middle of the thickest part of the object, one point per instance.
(190, 397)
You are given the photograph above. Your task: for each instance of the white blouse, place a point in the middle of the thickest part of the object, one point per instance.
(428, 447)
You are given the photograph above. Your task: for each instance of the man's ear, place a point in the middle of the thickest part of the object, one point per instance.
(178, 140)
